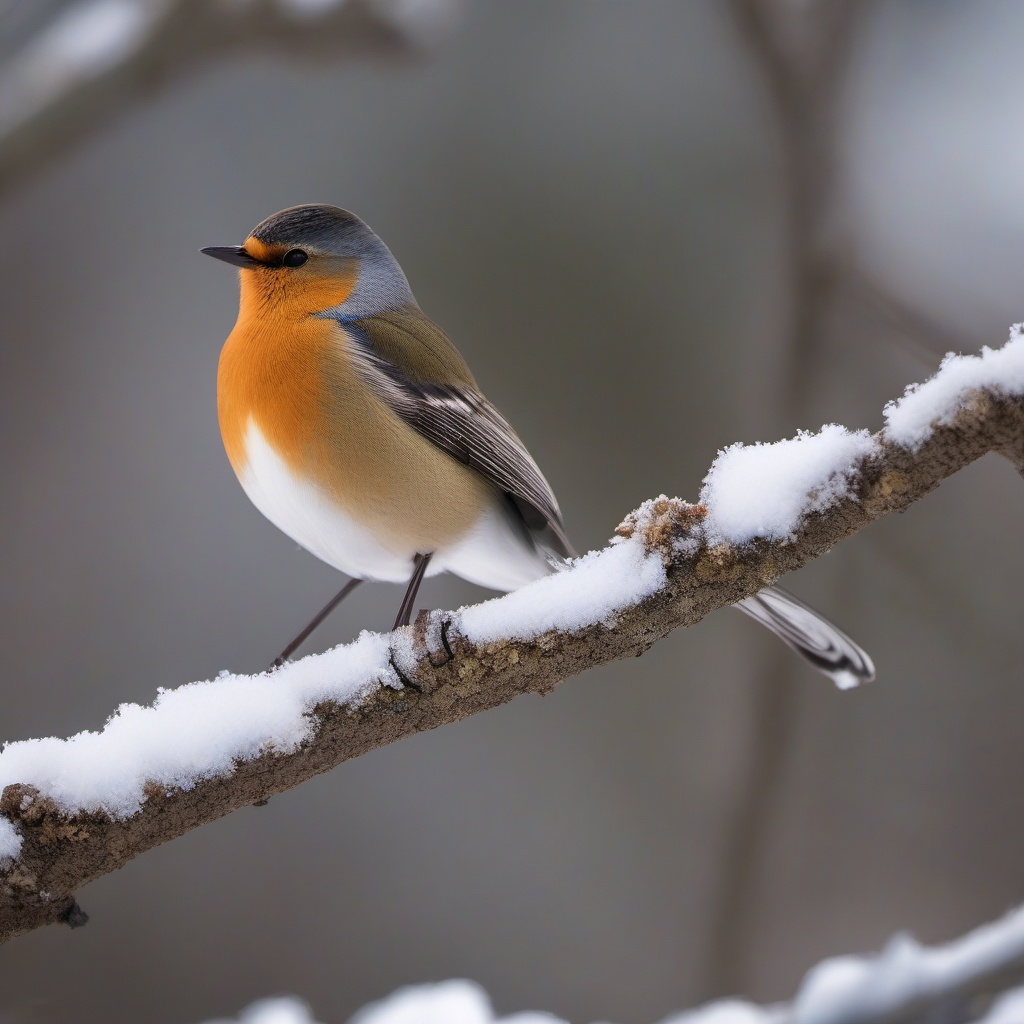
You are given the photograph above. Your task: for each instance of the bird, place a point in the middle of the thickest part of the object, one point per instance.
(357, 428)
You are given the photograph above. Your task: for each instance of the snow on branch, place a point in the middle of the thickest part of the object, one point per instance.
(74, 809)
(277, 1010)
(98, 58)
(904, 984)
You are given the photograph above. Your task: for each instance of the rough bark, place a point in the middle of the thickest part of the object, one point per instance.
(456, 678)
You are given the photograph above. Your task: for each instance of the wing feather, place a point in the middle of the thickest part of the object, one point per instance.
(457, 418)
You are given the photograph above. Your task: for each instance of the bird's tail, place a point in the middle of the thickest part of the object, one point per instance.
(825, 646)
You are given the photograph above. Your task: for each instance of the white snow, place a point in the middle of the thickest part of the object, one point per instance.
(731, 1011)
(10, 841)
(282, 1010)
(202, 730)
(445, 1002)
(909, 420)
(95, 35)
(81, 43)
(904, 970)
(766, 490)
(837, 991)
(592, 589)
(193, 732)
(1007, 1009)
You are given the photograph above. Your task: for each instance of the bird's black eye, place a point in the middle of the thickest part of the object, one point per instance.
(294, 258)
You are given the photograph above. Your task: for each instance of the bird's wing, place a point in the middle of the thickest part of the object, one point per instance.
(456, 418)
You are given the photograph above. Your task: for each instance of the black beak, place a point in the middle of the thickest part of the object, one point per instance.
(233, 254)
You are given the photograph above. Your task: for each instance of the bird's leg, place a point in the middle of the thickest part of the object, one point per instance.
(405, 611)
(317, 619)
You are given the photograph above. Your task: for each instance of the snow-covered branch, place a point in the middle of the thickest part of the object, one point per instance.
(968, 980)
(98, 58)
(72, 810)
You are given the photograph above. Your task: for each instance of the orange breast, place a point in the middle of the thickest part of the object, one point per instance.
(270, 372)
(287, 372)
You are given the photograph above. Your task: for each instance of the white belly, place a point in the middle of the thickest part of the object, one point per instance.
(311, 518)
(491, 554)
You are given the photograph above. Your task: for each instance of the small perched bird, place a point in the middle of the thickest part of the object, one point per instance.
(356, 427)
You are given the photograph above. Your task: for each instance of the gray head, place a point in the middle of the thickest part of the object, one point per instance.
(319, 254)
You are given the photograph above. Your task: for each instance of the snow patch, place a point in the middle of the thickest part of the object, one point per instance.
(202, 730)
(589, 590)
(446, 1002)
(1007, 1009)
(766, 490)
(10, 841)
(910, 420)
(836, 991)
(731, 1011)
(282, 1010)
(81, 43)
(852, 987)
(96, 35)
(193, 732)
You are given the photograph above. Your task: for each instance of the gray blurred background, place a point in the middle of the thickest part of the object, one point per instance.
(591, 197)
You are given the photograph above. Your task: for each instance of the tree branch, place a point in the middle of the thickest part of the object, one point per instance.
(448, 676)
(904, 984)
(94, 63)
